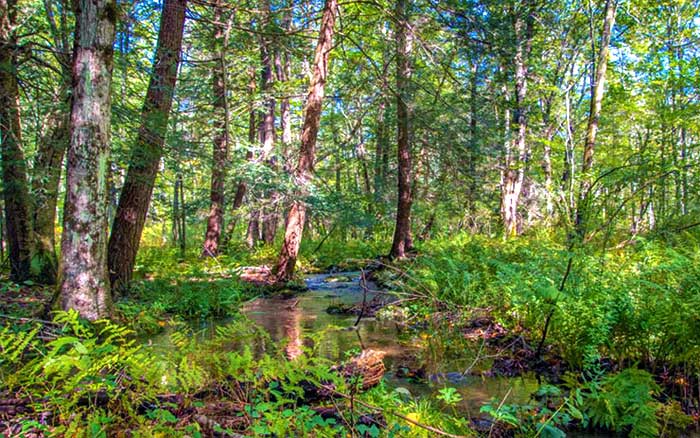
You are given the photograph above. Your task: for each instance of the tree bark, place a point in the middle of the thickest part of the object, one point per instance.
(145, 156)
(597, 91)
(85, 280)
(402, 231)
(307, 152)
(215, 220)
(14, 171)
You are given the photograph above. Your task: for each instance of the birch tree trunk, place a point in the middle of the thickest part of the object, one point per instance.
(303, 173)
(84, 277)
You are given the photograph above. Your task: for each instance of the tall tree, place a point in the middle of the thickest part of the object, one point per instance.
(85, 281)
(296, 218)
(597, 91)
(402, 232)
(51, 150)
(146, 154)
(215, 220)
(517, 153)
(14, 172)
(267, 129)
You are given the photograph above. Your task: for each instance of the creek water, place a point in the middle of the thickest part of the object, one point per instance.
(439, 357)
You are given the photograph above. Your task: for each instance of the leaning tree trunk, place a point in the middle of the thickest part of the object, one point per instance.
(85, 280)
(402, 232)
(145, 156)
(303, 173)
(14, 172)
(597, 91)
(215, 221)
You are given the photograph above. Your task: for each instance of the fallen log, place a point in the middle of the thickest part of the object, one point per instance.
(367, 367)
(364, 370)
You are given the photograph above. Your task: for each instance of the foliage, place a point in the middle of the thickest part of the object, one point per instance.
(635, 304)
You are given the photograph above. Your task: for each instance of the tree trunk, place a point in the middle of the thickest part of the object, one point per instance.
(473, 151)
(183, 217)
(283, 70)
(215, 221)
(253, 234)
(597, 91)
(515, 166)
(380, 145)
(48, 163)
(145, 156)
(547, 165)
(84, 277)
(14, 172)
(242, 187)
(402, 231)
(307, 153)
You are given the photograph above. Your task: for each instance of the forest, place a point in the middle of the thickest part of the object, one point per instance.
(350, 218)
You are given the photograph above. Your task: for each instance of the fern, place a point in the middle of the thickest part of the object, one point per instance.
(14, 343)
(624, 401)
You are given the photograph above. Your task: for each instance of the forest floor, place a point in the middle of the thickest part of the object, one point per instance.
(458, 341)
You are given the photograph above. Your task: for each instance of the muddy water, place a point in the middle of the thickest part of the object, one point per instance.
(441, 357)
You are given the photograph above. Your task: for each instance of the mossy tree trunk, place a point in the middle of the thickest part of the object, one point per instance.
(303, 173)
(83, 273)
(146, 154)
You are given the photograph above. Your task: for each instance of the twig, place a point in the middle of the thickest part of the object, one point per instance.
(363, 284)
(500, 405)
(17, 318)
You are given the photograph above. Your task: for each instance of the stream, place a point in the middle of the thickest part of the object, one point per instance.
(441, 358)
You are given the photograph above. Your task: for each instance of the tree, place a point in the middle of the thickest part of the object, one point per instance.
(85, 281)
(296, 218)
(51, 150)
(402, 232)
(215, 220)
(146, 154)
(14, 173)
(597, 91)
(517, 151)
